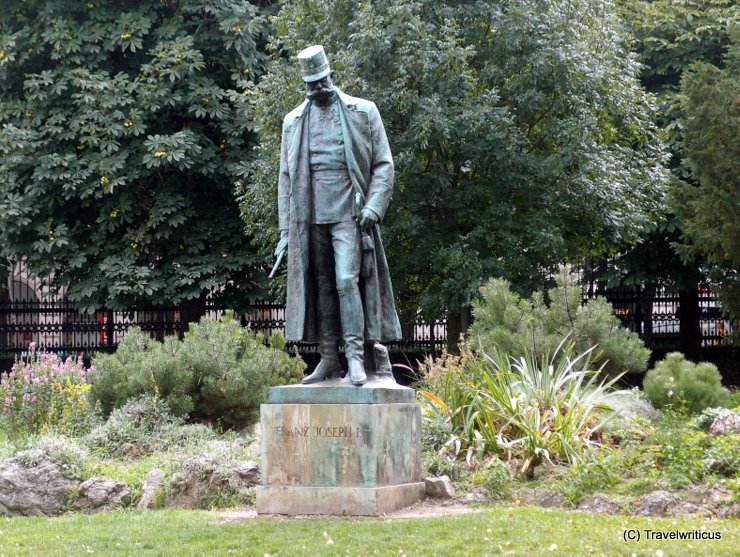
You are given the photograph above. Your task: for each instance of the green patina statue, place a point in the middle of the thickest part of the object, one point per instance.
(336, 180)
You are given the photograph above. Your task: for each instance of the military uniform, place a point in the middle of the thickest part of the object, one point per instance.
(332, 154)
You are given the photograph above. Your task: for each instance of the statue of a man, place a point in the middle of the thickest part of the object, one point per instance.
(336, 180)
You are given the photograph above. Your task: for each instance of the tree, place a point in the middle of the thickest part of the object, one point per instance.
(123, 128)
(520, 134)
(710, 211)
(670, 35)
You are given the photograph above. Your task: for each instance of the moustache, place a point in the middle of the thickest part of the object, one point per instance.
(320, 94)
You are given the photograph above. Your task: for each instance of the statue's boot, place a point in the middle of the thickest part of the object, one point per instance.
(353, 328)
(328, 310)
(327, 369)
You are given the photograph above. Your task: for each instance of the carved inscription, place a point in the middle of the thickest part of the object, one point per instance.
(304, 431)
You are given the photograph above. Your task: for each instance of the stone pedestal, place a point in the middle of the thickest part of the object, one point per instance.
(332, 448)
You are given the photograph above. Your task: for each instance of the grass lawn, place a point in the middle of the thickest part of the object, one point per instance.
(497, 531)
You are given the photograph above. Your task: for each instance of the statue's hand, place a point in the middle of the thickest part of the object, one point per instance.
(368, 218)
(283, 243)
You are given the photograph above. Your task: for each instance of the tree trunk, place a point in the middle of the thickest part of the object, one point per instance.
(690, 329)
(190, 312)
(457, 324)
(646, 317)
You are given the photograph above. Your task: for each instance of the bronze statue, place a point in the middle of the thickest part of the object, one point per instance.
(336, 180)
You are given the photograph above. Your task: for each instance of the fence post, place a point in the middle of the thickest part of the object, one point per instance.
(109, 329)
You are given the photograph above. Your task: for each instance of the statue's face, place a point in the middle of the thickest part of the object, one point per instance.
(320, 91)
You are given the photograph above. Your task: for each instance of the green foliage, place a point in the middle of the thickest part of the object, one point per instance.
(670, 37)
(219, 372)
(677, 381)
(594, 476)
(506, 322)
(143, 426)
(495, 477)
(68, 453)
(233, 369)
(139, 366)
(123, 127)
(546, 410)
(671, 454)
(711, 145)
(682, 454)
(705, 418)
(673, 34)
(45, 394)
(520, 134)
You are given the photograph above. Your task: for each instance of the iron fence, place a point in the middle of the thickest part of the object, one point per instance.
(655, 314)
(56, 325)
(28, 314)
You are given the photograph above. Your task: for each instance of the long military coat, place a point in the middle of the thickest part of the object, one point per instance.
(370, 166)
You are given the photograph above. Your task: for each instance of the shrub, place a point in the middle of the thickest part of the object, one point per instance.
(142, 426)
(540, 410)
(220, 372)
(633, 414)
(513, 325)
(46, 393)
(141, 365)
(677, 381)
(68, 453)
(233, 369)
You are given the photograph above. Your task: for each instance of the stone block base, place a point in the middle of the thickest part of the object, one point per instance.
(336, 449)
(368, 501)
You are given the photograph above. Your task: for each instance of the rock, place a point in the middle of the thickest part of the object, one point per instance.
(479, 494)
(152, 485)
(547, 470)
(548, 499)
(102, 494)
(200, 479)
(657, 503)
(725, 466)
(729, 511)
(718, 494)
(727, 422)
(599, 504)
(37, 488)
(439, 487)
(245, 475)
(192, 485)
(686, 508)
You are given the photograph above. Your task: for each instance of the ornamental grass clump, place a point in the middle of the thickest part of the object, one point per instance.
(548, 409)
(46, 393)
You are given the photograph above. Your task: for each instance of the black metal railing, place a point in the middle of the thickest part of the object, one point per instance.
(30, 314)
(56, 325)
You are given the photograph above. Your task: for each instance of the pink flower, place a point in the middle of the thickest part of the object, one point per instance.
(34, 399)
(11, 375)
(32, 346)
(36, 380)
(26, 397)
